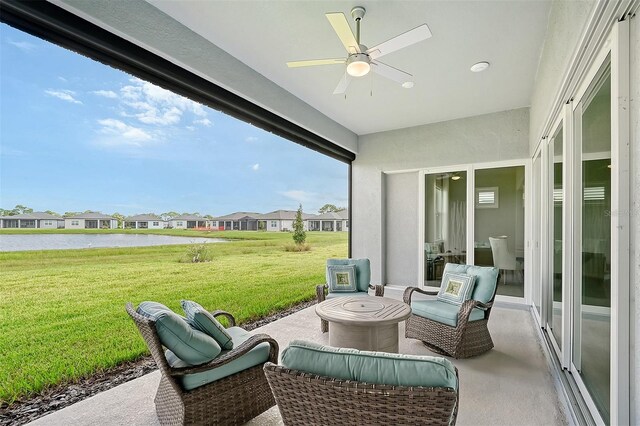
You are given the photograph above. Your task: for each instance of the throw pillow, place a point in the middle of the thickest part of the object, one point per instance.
(342, 278)
(200, 319)
(192, 346)
(456, 288)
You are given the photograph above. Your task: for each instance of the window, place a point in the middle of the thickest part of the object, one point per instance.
(487, 198)
(156, 223)
(179, 223)
(75, 222)
(48, 223)
(274, 224)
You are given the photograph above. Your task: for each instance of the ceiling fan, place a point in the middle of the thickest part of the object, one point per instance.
(361, 59)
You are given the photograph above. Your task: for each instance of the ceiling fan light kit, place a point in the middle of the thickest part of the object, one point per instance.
(361, 60)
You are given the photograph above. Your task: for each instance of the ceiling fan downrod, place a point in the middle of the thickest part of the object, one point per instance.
(358, 13)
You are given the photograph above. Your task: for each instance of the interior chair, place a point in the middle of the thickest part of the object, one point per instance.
(231, 389)
(321, 385)
(452, 330)
(363, 283)
(503, 259)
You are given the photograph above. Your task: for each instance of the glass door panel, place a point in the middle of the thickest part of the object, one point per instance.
(499, 225)
(446, 223)
(556, 202)
(592, 316)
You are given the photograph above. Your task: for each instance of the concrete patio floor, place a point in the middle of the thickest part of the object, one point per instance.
(510, 385)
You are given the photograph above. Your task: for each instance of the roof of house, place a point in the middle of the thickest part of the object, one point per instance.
(92, 215)
(144, 218)
(34, 215)
(284, 215)
(341, 215)
(239, 215)
(188, 217)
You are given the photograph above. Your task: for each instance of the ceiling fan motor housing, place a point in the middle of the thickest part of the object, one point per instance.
(358, 64)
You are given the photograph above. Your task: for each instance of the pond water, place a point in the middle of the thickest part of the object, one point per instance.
(17, 242)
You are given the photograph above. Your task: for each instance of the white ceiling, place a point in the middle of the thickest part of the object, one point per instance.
(266, 34)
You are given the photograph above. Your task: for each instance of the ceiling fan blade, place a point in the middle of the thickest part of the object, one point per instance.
(403, 40)
(343, 30)
(342, 84)
(314, 62)
(390, 72)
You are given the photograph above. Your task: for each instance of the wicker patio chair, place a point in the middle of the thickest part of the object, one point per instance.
(232, 400)
(468, 337)
(309, 399)
(363, 272)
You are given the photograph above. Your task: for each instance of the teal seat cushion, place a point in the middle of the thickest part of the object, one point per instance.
(363, 271)
(443, 312)
(486, 279)
(193, 346)
(372, 367)
(200, 319)
(342, 294)
(256, 356)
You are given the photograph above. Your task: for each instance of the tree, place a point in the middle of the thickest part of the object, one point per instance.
(299, 236)
(19, 209)
(169, 215)
(120, 218)
(330, 208)
(51, 212)
(69, 214)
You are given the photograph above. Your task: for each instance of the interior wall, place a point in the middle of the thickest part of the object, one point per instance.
(141, 23)
(635, 215)
(566, 22)
(485, 138)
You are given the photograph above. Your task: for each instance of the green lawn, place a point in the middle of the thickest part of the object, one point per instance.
(62, 311)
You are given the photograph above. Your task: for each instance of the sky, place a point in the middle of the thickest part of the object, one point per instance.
(78, 135)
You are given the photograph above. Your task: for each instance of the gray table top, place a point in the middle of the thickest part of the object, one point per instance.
(364, 311)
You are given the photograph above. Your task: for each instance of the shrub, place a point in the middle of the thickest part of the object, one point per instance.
(197, 253)
(297, 247)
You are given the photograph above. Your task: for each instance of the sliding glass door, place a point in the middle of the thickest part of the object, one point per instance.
(445, 223)
(592, 288)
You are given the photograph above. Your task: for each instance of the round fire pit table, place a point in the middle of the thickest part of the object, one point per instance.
(365, 323)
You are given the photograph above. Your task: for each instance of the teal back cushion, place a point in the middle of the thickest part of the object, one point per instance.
(486, 279)
(200, 319)
(372, 367)
(363, 271)
(192, 346)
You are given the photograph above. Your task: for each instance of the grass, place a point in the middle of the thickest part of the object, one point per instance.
(62, 312)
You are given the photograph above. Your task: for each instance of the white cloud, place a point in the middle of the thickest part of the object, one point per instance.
(190, 128)
(106, 93)
(251, 139)
(203, 121)
(299, 195)
(151, 104)
(64, 80)
(65, 95)
(255, 167)
(124, 133)
(23, 45)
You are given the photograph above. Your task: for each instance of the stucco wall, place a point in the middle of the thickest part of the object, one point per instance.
(485, 138)
(566, 22)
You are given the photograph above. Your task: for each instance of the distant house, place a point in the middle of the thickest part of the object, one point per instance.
(145, 221)
(91, 221)
(330, 222)
(281, 220)
(189, 221)
(32, 220)
(239, 221)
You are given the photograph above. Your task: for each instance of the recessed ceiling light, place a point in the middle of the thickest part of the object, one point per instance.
(455, 177)
(480, 66)
(407, 84)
